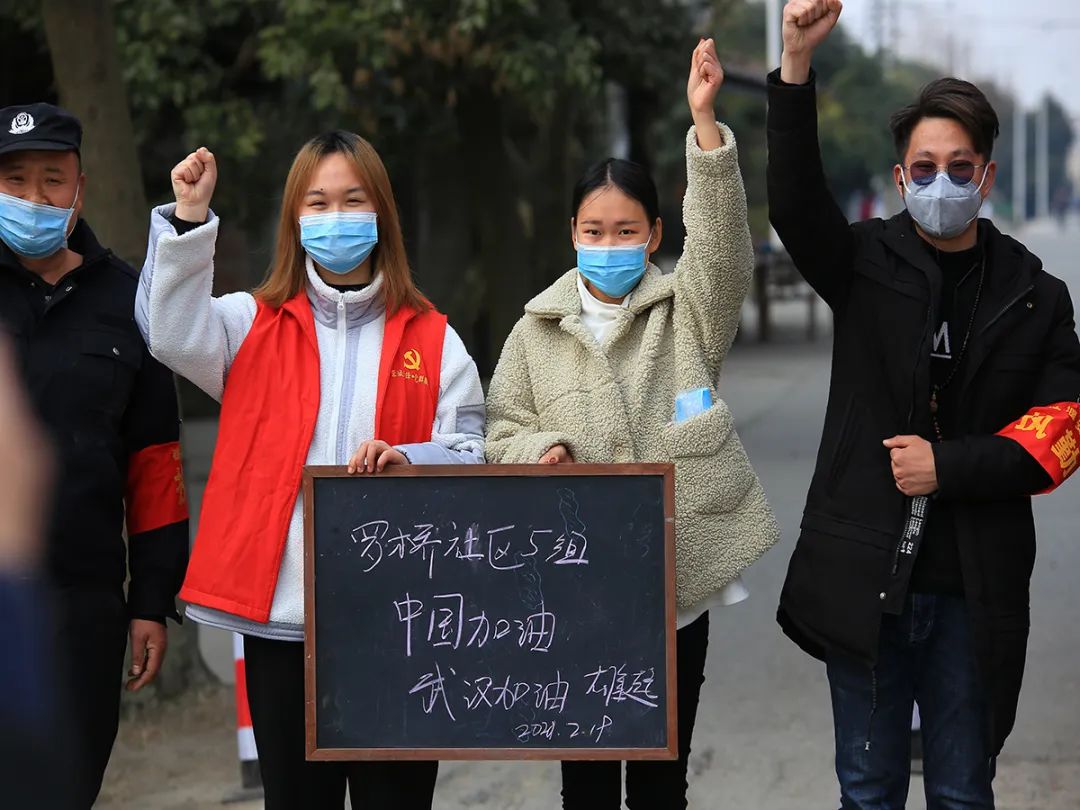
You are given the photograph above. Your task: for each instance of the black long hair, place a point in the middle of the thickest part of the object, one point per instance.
(630, 178)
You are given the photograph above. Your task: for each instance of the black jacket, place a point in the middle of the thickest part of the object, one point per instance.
(108, 407)
(883, 285)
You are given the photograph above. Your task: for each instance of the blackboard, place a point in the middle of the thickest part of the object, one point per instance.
(490, 612)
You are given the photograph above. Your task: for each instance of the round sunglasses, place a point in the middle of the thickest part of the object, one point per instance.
(960, 172)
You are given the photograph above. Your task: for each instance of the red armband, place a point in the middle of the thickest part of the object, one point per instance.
(1051, 434)
(155, 488)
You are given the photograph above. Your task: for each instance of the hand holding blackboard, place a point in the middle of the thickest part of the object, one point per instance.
(557, 455)
(373, 456)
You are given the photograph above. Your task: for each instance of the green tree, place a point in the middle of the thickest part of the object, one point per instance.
(490, 108)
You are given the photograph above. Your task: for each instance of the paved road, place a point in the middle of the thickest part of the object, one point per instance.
(763, 737)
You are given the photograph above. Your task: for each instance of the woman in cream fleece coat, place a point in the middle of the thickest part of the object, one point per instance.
(590, 374)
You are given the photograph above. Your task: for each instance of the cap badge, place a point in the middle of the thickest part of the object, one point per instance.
(22, 123)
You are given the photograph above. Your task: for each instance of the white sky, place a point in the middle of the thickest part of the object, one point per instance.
(1032, 46)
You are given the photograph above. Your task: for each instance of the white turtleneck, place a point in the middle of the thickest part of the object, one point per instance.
(598, 316)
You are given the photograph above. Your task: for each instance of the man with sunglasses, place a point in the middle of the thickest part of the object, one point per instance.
(911, 575)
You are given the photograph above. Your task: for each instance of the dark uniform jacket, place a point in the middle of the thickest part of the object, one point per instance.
(883, 287)
(110, 410)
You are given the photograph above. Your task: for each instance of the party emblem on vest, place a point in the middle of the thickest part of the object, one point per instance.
(21, 124)
(410, 370)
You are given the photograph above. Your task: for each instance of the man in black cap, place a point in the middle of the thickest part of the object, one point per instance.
(110, 410)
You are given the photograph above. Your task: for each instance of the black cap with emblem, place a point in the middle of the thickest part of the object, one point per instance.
(27, 127)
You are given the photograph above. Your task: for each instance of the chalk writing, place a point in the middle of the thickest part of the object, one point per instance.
(616, 685)
(553, 730)
(439, 693)
(432, 689)
(502, 548)
(448, 624)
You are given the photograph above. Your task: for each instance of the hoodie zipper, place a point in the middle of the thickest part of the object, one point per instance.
(342, 347)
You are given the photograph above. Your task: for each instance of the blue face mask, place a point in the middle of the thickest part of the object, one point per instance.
(613, 269)
(34, 230)
(339, 241)
(941, 207)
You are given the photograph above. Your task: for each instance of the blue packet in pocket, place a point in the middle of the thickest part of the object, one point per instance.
(692, 402)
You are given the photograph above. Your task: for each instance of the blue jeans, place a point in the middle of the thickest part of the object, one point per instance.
(925, 655)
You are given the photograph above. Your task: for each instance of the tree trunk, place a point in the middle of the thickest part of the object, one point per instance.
(442, 237)
(506, 267)
(82, 43)
(552, 191)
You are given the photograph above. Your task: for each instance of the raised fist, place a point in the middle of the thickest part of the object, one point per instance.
(193, 181)
(706, 76)
(808, 22)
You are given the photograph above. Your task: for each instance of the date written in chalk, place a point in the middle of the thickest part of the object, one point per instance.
(563, 730)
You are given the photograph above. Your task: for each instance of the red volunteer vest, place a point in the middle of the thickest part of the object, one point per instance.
(268, 414)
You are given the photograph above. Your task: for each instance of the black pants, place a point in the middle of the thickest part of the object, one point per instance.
(649, 785)
(89, 641)
(275, 686)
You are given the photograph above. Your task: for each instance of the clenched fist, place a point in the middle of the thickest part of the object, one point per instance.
(913, 465)
(706, 76)
(806, 24)
(193, 181)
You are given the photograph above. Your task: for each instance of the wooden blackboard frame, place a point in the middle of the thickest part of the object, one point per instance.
(314, 752)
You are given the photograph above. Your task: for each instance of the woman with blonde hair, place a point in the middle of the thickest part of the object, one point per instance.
(336, 358)
(617, 361)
